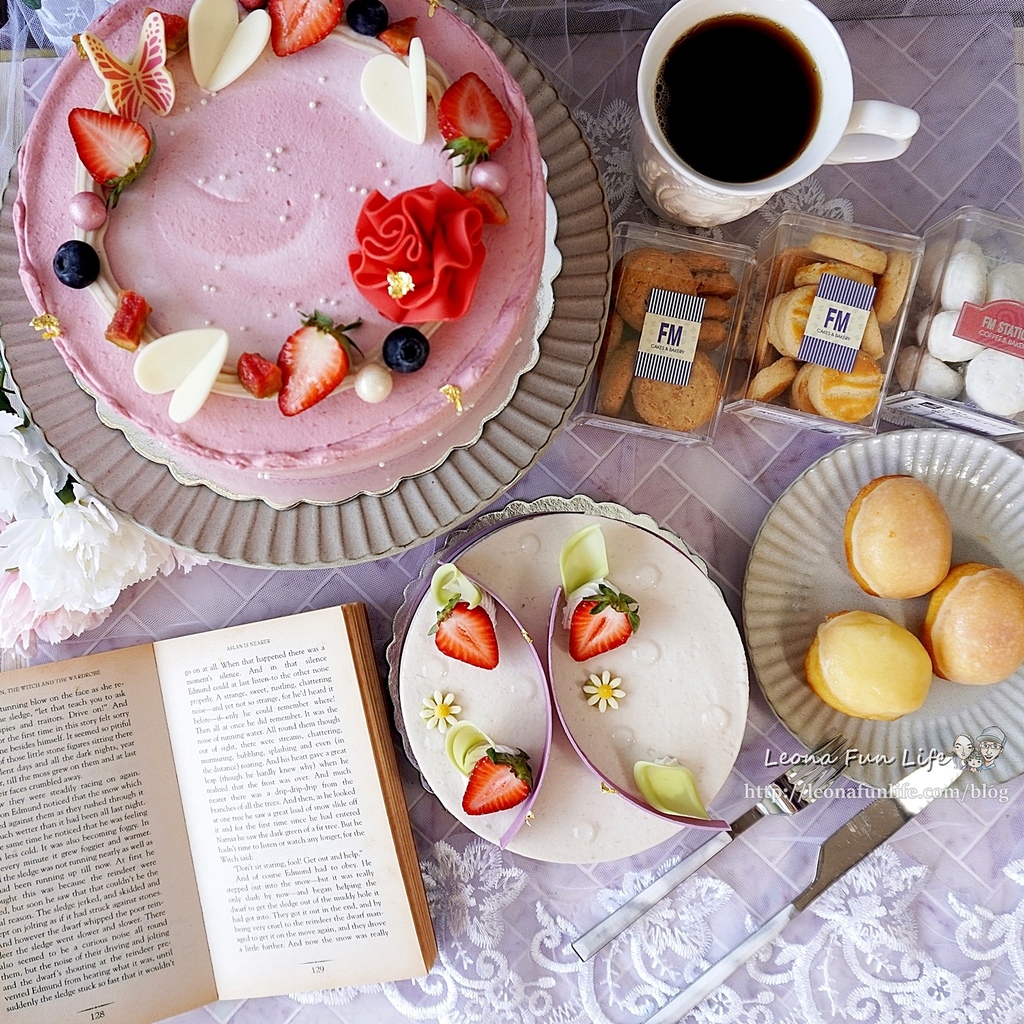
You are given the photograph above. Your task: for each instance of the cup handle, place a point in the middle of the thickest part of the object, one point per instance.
(877, 130)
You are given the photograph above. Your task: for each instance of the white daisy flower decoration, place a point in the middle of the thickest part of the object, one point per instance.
(440, 711)
(604, 690)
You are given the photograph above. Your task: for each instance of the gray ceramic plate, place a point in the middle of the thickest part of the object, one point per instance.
(797, 576)
(420, 507)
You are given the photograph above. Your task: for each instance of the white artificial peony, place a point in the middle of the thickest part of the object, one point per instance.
(64, 556)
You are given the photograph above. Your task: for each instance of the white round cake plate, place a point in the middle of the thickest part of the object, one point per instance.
(797, 576)
(575, 819)
(422, 505)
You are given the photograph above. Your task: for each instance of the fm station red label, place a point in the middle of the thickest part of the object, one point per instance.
(998, 325)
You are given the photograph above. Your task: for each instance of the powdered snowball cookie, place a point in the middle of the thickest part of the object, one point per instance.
(1006, 281)
(994, 381)
(930, 375)
(936, 378)
(968, 245)
(906, 367)
(921, 330)
(944, 345)
(965, 280)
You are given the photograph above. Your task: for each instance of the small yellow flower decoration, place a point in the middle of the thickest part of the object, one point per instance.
(440, 711)
(604, 690)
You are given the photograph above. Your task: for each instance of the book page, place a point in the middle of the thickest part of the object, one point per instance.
(101, 918)
(299, 879)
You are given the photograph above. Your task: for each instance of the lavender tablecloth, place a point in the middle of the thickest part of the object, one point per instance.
(931, 926)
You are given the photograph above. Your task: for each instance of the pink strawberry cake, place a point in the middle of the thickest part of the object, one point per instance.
(246, 216)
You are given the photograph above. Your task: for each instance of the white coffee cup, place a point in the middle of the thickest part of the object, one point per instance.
(845, 132)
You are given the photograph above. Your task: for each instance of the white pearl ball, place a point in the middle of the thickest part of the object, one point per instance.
(373, 383)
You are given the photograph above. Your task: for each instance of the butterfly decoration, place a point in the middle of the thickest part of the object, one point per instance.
(143, 79)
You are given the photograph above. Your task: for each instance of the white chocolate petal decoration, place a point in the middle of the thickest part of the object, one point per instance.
(397, 92)
(222, 48)
(187, 363)
(418, 83)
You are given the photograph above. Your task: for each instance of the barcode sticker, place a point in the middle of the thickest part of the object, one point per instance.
(668, 340)
(835, 326)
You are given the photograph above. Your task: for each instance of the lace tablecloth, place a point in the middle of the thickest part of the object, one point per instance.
(931, 926)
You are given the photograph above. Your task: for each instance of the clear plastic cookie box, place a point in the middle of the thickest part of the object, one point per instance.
(964, 365)
(672, 326)
(823, 324)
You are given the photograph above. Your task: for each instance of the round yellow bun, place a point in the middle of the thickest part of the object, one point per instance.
(974, 626)
(868, 666)
(898, 538)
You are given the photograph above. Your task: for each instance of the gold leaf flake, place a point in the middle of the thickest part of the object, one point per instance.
(400, 283)
(605, 788)
(47, 324)
(454, 395)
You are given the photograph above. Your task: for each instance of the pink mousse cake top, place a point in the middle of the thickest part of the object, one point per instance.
(245, 216)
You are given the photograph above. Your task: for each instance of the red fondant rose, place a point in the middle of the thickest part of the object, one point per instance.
(432, 234)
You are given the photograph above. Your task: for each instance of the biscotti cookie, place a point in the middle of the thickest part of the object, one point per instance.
(892, 286)
(773, 379)
(677, 407)
(640, 270)
(849, 250)
(789, 313)
(811, 274)
(871, 342)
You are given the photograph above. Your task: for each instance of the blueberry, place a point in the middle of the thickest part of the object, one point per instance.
(367, 17)
(405, 349)
(76, 264)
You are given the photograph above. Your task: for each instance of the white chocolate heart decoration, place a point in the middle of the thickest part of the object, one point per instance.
(397, 92)
(222, 48)
(187, 363)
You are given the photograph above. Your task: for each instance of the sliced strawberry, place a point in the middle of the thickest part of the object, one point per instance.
(259, 376)
(253, 5)
(498, 781)
(601, 624)
(466, 634)
(313, 361)
(297, 24)
(113, 149)
(472, 120)
(398, 35)
(492, 208)
(175, 30)
(129, 320)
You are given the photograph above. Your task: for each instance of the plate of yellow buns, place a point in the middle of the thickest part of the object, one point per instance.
(884, 601)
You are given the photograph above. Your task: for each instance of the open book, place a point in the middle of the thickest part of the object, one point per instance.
(217, 816)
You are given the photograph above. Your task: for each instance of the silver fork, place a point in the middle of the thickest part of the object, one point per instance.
(792, 791)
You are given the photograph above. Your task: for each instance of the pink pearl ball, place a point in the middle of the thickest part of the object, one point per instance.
(88, 211)
(491, 176)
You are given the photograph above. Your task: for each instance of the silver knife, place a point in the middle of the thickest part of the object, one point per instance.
(840, 852)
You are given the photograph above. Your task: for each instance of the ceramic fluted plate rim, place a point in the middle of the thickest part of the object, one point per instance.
(624, 828)
(797, 575)
(365, 526)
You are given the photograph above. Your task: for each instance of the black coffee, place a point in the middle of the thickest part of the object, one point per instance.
(737, 98)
